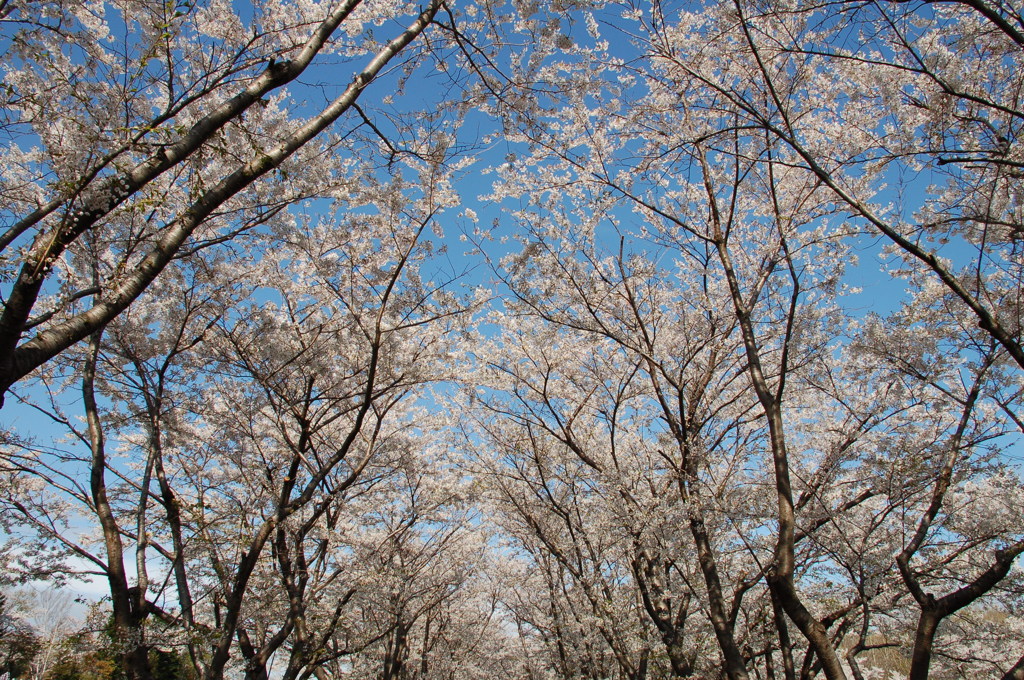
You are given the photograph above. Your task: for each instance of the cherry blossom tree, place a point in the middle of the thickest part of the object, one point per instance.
(246, 425)
(678, 443)
(705, 137)
(144, 131)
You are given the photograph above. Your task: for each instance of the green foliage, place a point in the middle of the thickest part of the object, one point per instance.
(19, 644)
(86, 655)
(90, 666)
(17, 649)
(170, 665)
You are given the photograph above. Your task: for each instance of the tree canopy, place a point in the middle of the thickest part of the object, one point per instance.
(514, 340)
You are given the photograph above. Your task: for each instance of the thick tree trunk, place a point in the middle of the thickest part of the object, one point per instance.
(396, 652)
(679, 660)
(782, 631)
(1016, 672)
(924, 641)
(722, 623)
(128, 608)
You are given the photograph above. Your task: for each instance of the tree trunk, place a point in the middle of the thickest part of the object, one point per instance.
(924, 641)
(735, 668)
(128, 608)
